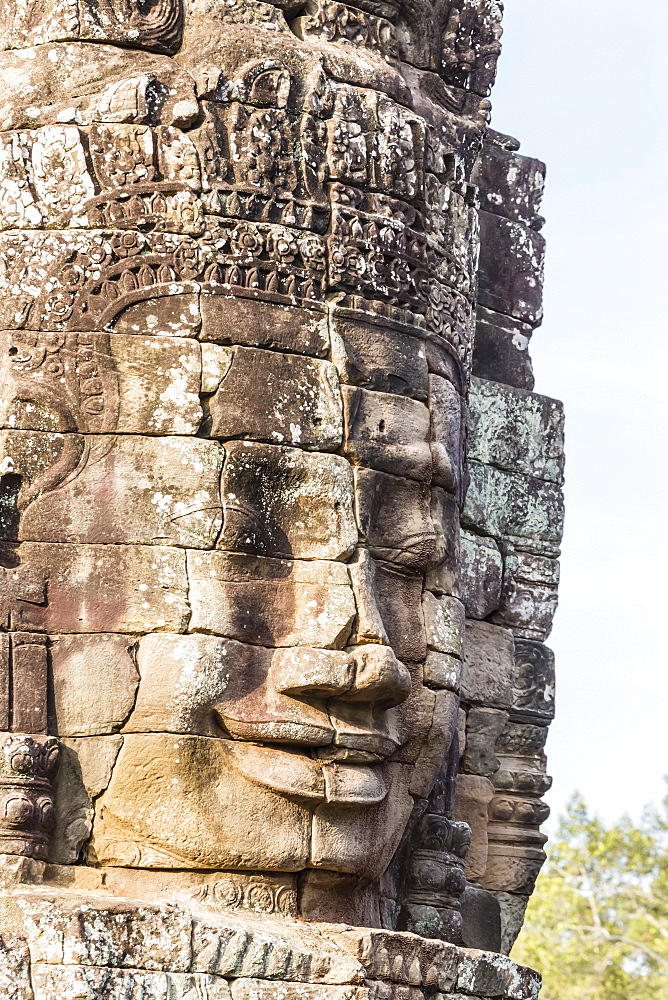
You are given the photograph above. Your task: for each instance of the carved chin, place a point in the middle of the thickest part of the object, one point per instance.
(209, 803)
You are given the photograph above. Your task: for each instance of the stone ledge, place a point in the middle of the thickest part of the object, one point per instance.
(93, 946)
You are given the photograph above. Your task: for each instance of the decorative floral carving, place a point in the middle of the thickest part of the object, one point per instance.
(27, 768)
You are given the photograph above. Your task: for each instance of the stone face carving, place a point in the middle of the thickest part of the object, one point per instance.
(239, 273)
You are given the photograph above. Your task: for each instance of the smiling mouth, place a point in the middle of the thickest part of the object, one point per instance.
(348, 755)
(347, 777)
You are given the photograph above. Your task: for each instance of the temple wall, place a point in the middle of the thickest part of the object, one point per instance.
(512, 525)
(279, 508)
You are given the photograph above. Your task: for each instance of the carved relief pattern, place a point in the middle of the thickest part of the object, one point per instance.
(436, 878)
(470, 45)
(237, 301)
(27, 768)
(338, 22)
(401, 228)
(254, 893)
(158, 27)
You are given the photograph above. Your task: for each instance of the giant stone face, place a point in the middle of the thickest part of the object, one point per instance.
(237, 296)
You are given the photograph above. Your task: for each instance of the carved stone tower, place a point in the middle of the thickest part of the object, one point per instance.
(279, 509)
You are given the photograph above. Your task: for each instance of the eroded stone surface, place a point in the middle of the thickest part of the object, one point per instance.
(528, 512)
(516, 430)
(95, 682)
(299, 403)
(154, 491)
(489, 665)
(271, 602)
(243, 261)
(283, 502)
(387, 432)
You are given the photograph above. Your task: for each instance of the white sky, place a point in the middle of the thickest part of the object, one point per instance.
(582, 84)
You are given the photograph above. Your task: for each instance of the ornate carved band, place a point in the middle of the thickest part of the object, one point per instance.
(27, 768)
(436, 879)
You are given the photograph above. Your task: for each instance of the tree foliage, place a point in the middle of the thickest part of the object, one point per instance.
(597, 925)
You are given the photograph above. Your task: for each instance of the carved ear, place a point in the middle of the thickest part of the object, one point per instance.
(42, 461)
(157, 26)
(264, 83)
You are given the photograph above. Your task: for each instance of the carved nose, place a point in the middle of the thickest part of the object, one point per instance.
(369, 674)
(305, 671)
(379, 677)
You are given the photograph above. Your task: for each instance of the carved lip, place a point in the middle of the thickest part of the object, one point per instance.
(294, 774)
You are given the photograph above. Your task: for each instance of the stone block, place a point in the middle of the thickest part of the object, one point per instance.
(26, 691)
(529, 598)
(403, 958)
(386, 432)
(15, 981)
(516, 430)
(272, 602)
(394, 518)
(481, 575)
(345, 837)
(228, 319)
(183, 677)
(84, 772)
(489, 665)
(195, 683)
(111, 385)
(405, 726)
(259, 989)
(125, 489)
(447, 439)
(501, 349)
(369, 627)
(472, 797)
(443, 360)
(158, 383)
(486, 974)
(510, 184)
(481, 919)
(444, 624)
(523, 739)
(435, 743)
(216, 363)
(104, 588)
(442, 670)
(510, 273)
(513, 867)
(241, 950)
(443, 577)
(284, 502)
(93, 82)
(399, 600)
(512, 908)
(95, 931)
(175, 315)
(423, 919)
(483, 727)
(100, 983)
(527, 512)
(533, 683)
(94, 681)
(379, 358)
(20, 583)
(161, 32)
(299, 403)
